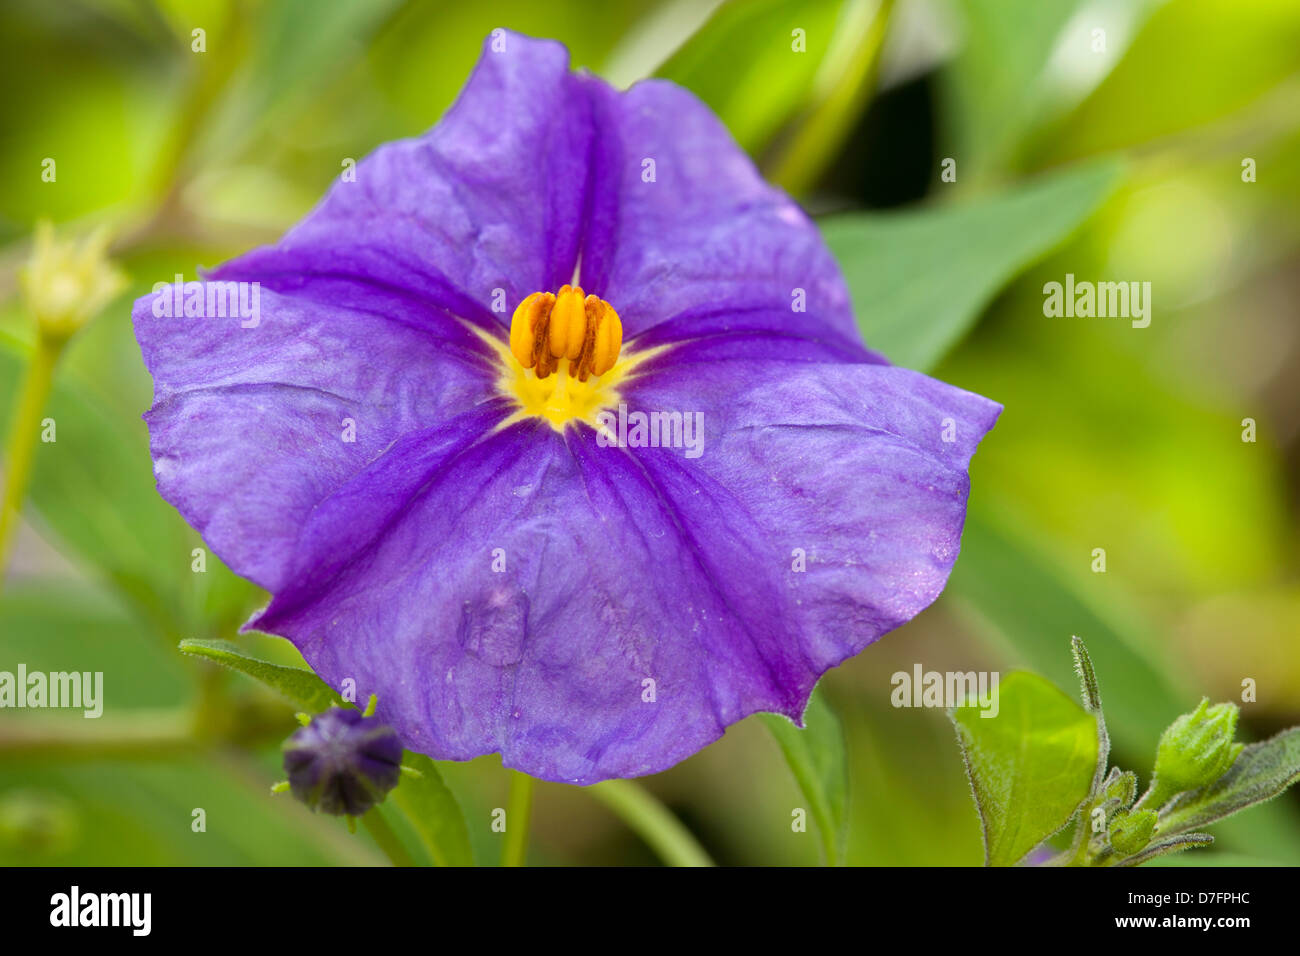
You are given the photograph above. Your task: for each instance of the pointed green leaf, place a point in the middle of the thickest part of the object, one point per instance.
(1185, 841)
(818, 758)
(1090, 693)
(1030, 767)
(1261, 772)
(433, 812)
(920, 279)
(298, 684)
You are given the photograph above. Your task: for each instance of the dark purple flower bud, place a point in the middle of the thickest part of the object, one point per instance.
(343, 762)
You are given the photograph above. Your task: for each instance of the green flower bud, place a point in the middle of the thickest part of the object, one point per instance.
(65, 284)
(1131, 832)
(1196, 749)
(1121, 788)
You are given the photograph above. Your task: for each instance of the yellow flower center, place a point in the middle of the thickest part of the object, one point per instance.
(547, 329)
(563, 363)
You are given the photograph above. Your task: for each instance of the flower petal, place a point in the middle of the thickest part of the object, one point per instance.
(250, 425)
(856, 470)
(515, 593)
(491, 198)
(544, 659)
(706, 238)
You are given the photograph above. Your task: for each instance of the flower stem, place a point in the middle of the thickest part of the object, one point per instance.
(1080, 855)
(519, 805)
(652, 821)
(383, 834)
(20, 447)
(138, 735)
(1155, 797)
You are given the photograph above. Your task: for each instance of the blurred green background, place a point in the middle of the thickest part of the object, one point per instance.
(1113, 156)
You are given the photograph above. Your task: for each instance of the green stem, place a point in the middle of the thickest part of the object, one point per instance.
(212, 713)
(140, 735)
(20, 448)
(147, 734)
(519, 805)
(383, 834)
(1080, 856)
(1155, 797)
(209, 81)
(651, 821)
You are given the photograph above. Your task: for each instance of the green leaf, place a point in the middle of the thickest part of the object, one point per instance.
(920, 279)
(992, 79)
(1261, 772)
(422, 55)
(54, 625)
(137, 811)
(1009, 587)
(433, 812)
(1185, 841)
(302, 45)
(646, 44)
(1030, 767)
(298, 684)
(818, 758)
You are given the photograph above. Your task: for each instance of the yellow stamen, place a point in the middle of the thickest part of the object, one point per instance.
(528, 325)
(564, 359)
(605, 329)
(569, 331)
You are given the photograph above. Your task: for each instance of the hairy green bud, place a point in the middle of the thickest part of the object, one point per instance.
(1131, 832)
(1195, 750)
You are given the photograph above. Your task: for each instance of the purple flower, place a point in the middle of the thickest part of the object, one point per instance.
(343, 762)
(455, 532)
